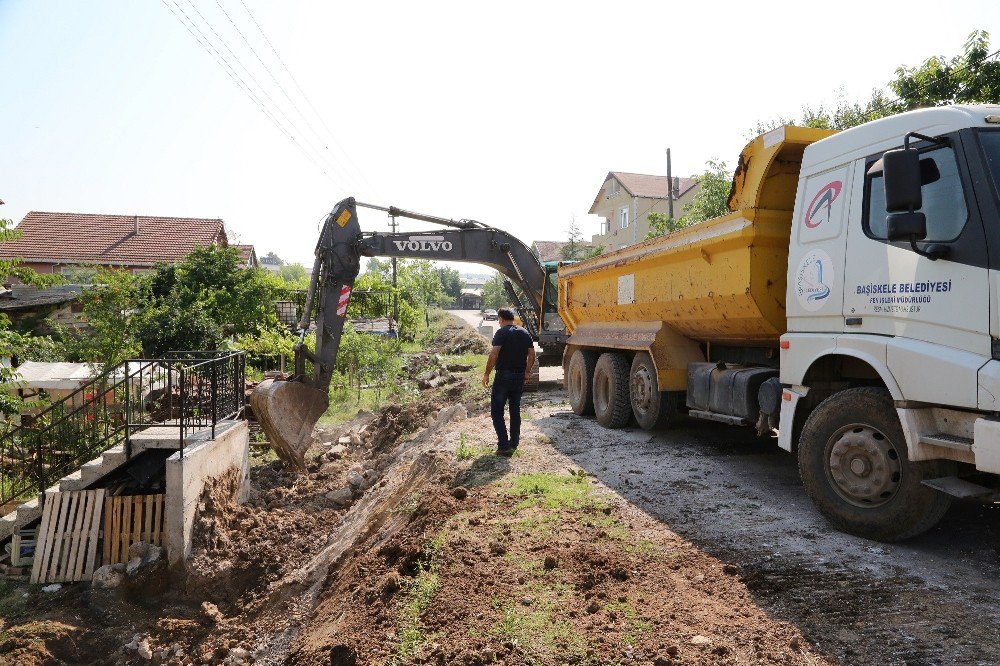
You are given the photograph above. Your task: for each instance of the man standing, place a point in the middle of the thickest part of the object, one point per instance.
(513, 355)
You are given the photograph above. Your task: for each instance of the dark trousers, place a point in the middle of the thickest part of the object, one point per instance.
(507, 387)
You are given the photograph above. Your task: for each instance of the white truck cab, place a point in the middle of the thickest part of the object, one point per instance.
(890, 366)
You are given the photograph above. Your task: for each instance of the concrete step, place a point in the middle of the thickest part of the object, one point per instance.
(24, 514)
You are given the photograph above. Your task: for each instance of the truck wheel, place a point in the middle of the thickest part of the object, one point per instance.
(580, 381)
(611, 403)
(652, 407)
(854, 466)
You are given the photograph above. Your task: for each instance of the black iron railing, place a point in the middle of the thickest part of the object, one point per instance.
(184, 391)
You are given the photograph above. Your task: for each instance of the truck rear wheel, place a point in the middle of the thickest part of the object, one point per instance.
(611, 401)
(853, 464)
(652, 407)
(580, 381)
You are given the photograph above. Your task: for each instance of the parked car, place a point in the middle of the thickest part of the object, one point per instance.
(490, 315)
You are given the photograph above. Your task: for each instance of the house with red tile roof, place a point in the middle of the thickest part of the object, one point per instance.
(625, 201)
(71, 242)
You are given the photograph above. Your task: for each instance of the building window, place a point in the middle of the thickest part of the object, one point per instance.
(623, 217)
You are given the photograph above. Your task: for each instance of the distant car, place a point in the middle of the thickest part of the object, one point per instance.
(490, 315)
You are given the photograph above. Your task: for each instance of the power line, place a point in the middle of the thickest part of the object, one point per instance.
(209, 48)
(267, 69)
(304, 96)
(305, 141)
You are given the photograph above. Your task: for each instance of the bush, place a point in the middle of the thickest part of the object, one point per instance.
(173, 328)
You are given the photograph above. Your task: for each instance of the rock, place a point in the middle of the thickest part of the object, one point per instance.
(342, 497)
(452, 413)
(698, 639)
(144, 650)
(239, 653)
(345, 440)
(731, 569)
(356, 480)
(337, 451)
(794, 644)
(139, 549)
(108, 577)
(54, 587)
(673, 650)
(461, 492)
(211, 612)
(527, 601)
(133, 566)
(593, 607)
(355, 438)
(550, 562)
(498, 548)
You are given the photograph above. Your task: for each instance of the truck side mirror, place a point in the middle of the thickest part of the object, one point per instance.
(906, 226)
(901, 176)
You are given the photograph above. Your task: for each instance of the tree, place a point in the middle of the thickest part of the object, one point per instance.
(968, 78)
(661, 224)
(294, 275)
(709, 201)
(451, 282)
(575, 248)
(272, 258)
(494, 294)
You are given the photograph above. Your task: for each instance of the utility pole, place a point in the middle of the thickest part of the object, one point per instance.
(670, 189)
(395, 296)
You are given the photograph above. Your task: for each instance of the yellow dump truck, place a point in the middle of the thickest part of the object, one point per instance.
(847, 302)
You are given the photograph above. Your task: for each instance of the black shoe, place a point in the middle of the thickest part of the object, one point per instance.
(506, 452)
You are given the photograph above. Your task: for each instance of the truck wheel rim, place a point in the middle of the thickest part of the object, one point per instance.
(602, 392)
(863, 465)
(577, 383)
(641, 391)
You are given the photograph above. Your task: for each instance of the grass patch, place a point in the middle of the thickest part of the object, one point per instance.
(538, 632)
(554, 491)
(418, 599)
(465, 451)
(635, 625)
(542, 527)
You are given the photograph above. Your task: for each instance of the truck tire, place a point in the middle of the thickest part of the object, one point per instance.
(580, 381)
(853, 464)
(611, 402)
(652, 407)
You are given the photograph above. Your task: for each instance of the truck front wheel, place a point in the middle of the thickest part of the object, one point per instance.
(853, 464)
(580, 381)
(652, 407)
(611, 402)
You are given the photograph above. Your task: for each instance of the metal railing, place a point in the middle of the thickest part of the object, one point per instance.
(186, 391)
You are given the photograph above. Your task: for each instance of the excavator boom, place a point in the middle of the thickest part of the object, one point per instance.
(288, 410)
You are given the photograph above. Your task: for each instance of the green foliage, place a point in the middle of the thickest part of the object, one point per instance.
(295, 276)
(172, 327)
(272, 342)
(576, 248)
(968, 78)
(709, 201)
(368, 359)
(451, 282)
(410, 321)
(494, 295)
(114, 311)
(239, 300)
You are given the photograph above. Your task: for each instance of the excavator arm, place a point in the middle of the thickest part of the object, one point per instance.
(288, 410)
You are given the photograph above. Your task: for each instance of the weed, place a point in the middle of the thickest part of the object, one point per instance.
(418, 599)
(554, 491)
(540, 527)
(635, 625)
(541, 635)
(464, 451)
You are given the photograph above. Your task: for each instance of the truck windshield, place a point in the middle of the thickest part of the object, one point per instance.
(991, 146)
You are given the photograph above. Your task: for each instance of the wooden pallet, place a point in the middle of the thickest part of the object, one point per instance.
(128, 519)
(66, 550)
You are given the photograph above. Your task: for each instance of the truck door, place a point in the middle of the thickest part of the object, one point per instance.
(937, 311)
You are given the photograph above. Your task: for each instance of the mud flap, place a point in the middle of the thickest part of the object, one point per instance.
(288, 411)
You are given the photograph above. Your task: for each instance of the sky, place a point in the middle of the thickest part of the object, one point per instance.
(509, 113)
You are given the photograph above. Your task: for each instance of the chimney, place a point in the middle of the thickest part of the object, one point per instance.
(136, 225)
(677, 187)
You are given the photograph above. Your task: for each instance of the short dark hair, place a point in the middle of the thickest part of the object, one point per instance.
(506, 314)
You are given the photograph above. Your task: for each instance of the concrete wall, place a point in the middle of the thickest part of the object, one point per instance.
(204, 460)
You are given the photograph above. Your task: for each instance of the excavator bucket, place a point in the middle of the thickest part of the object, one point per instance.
(287, 411)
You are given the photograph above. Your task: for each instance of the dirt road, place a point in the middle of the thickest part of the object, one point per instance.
(932, 600)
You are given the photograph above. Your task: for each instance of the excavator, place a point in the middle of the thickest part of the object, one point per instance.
(288, 410)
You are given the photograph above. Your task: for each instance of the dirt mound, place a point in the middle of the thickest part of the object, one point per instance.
(455, 337)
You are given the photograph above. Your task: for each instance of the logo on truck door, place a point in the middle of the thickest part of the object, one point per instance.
(813, 280)
(820, 210)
